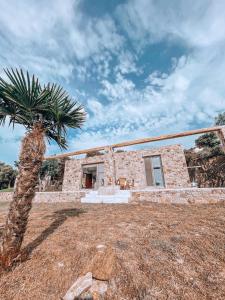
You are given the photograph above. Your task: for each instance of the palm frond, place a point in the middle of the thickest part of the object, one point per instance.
(24, 101)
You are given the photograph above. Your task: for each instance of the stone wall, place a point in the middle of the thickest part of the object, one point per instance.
(131, 166)
(58, 197)
(48, 197)
(73, 171)
(183, 196)
(5, 196)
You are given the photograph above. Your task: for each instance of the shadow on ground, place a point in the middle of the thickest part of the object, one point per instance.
(59, 217)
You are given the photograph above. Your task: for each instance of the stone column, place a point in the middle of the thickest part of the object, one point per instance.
(221, 136)
(109, 167)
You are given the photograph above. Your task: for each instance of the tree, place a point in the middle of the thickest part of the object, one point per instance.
(210, 161)
(55, 170)
(209, 140)
(51, 168)
(45, 112)
(7, 176)
(220, 119)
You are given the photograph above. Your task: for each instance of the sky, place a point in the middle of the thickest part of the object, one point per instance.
(140, 67)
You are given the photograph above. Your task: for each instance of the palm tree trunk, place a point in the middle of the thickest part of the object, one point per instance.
(31, 158)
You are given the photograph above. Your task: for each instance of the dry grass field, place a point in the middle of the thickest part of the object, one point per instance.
(162, 251)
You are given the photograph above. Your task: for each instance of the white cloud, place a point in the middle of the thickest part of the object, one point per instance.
(56, 39)
(122, 89)
(198, 23)
(127, 63)
(53, 37)
(192, 94)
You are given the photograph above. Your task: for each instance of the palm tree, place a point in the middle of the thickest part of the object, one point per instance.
(45, 112)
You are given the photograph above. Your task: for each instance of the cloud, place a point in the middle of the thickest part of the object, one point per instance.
(187, 98)
(127, 63)
(54, 37)
(109, 62)
(197, 23)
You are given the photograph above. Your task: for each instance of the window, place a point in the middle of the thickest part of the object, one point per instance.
(153, 170)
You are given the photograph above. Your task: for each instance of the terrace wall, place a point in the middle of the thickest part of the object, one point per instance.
(48, 197)
(175, 196)
(183, 196)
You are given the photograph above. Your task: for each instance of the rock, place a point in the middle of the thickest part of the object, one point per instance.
(96, 296)
(60, 264)
(86, 296)
(103, 263)
(81, 285)
(99, 287)
(101, 247)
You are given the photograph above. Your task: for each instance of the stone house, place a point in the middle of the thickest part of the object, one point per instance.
(151, 175)
(163, 167)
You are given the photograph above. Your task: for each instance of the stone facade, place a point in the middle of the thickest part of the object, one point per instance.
(182, 196)
(130, 165)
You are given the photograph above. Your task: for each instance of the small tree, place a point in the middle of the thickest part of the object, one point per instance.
(211, 159)
(7, 175)
(44, 111)
(209, 140)
(54, 169)
(220, 119)
(51, 168)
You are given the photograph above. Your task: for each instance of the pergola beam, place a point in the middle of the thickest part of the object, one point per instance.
(139, 141)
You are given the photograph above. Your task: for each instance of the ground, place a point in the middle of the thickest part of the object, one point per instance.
(162, 251)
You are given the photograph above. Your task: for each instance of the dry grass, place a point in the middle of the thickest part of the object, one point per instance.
(162, 251)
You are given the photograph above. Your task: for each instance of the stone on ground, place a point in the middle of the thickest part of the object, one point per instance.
(103, 263)
(81, 285)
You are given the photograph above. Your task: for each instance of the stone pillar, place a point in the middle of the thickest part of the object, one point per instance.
(221, 136)
(109, 167)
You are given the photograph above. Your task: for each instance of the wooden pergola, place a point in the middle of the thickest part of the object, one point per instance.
(220, 130)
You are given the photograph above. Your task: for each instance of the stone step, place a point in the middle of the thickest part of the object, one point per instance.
(104, 200)
(118, 197)
(105, 196)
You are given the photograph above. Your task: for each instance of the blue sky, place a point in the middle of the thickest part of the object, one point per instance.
(140, 67)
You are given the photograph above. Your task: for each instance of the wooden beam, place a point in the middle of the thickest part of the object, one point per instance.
(139, 141)
(167, 137)
(75, 153)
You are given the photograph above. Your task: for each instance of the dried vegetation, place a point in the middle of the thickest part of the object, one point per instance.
(161, 251)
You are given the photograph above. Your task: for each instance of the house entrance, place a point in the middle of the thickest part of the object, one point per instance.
(92, 176)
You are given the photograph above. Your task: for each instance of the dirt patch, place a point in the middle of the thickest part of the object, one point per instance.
(161, 251)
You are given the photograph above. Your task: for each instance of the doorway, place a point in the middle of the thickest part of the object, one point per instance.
(89, 180)
(92, 176)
